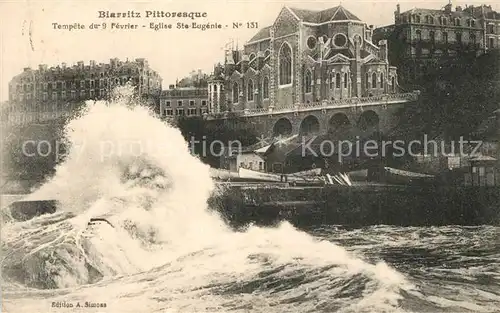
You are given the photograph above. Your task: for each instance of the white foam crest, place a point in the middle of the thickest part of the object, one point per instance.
(136, 171)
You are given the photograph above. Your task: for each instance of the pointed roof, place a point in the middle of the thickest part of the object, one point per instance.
(338, 13)
(262, 34)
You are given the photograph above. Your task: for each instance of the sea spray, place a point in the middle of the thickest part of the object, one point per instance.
(137, 172)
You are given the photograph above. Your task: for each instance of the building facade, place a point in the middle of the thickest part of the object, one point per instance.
(305, 57)
(421, 39)
(217, 90)
(184, 101)
(42, 94)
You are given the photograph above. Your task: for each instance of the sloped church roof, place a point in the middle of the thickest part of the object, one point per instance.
(338, 13)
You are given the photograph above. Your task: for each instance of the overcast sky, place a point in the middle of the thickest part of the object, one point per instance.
(174, 53)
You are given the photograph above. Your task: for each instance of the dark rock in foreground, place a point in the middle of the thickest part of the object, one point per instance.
(340, 205)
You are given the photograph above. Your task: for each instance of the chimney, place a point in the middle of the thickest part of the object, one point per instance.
(63, 65)
(448, 8)
(236, 56)
(42, 67)
(398, 8)
(229, 67)
(244, 63)
(27, 69)
(80, 64)
(92, 63)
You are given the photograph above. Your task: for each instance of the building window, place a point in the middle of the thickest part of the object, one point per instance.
(346, 80)
(250, 90)
(445, 37)
(457, 22)
(28, 96)
(472, 38)
(419, 35)
(265, 88)
(180, 112)
(54, 95)
(235, 93)
(63, 95)
(179, 103)
(204, 102)
(432, 36)
(45, 86)
(82, 84)
(491, 42)
(308, 81)
(393, 83)
(169, 112)
(381, 80)
(331, 80)
(82, 93)
(45, 96)
(491, 29)
(374, 80)
(73, 94)
(337, 80)
(285, 64)
(167, 103)
(92, 93)
(102, 92)
(191, 103)
(192, 111)
(367, 80)
(459, 37)
(472, 23)
(63, 85)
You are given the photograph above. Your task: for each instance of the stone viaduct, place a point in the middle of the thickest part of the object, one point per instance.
(373, 113)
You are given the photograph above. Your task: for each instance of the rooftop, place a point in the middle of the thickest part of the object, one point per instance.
(338, 13)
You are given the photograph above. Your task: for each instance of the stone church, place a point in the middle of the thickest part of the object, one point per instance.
(305, 57)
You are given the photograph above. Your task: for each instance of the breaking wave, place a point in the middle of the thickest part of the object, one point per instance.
(162, 247)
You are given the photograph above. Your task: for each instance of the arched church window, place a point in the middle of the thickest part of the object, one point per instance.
(250, 90)
(308, 81)
(337, 80)
(235, 93)
(265, 88)
(285, 64)
(346, 80)
(374, 80)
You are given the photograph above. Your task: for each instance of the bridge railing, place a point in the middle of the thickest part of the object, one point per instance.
(40, 117)
(326, 104)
